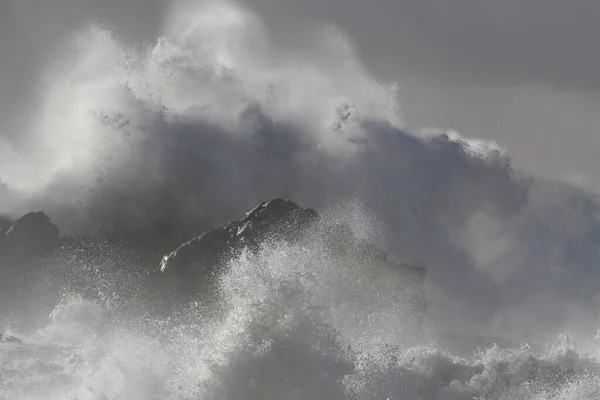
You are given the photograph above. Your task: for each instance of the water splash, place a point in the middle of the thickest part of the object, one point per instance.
(209, 120)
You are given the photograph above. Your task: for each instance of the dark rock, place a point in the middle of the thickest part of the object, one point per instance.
(192, 265)
(22, 246)
(192, 268)
(28, 236)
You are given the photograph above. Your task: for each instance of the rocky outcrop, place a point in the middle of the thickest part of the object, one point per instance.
(28, 236)
(22, 246)
(279, 219)
(191, 268)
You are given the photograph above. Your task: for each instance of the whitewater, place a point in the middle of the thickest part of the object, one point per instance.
(210, 119)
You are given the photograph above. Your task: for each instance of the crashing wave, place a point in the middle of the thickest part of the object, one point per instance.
(210, 119)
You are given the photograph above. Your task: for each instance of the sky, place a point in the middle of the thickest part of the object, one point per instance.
(524, 74)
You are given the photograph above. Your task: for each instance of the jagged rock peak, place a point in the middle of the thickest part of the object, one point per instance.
(193, 268)
(29, 234)
(278, 218)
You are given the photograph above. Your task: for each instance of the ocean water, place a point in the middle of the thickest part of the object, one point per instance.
(211, 118)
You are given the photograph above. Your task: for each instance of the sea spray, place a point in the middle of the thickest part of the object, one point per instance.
(283, 326)
(209, 120)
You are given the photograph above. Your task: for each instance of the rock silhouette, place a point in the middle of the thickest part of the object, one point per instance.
(28, 236)
(191, 269)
